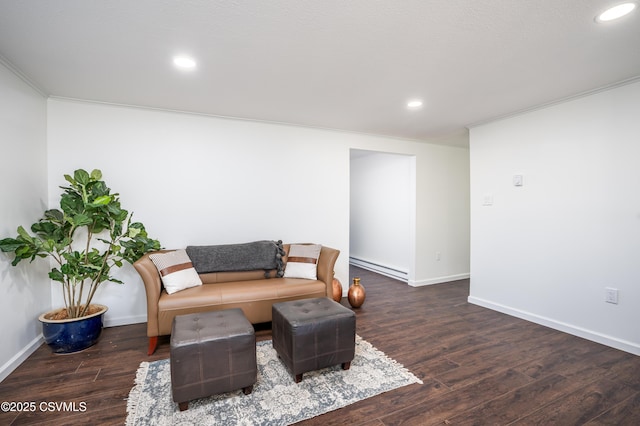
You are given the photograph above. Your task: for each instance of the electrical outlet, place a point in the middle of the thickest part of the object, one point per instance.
(611, 295)
(437, 255)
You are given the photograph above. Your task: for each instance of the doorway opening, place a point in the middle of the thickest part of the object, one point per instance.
(382, 218)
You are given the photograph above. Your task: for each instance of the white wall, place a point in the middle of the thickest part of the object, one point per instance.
(382, 212)
(204, 180)
(442, 215)
(23, 191)
(547, 250)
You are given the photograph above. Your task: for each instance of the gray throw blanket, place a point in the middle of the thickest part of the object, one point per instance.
(265, 255)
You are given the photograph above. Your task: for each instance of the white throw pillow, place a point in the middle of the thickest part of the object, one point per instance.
(302, 261)
(176, 270)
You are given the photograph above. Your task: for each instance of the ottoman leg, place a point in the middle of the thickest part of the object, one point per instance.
(247, 390)
(346, 365)
(298, 378)
(183, 405)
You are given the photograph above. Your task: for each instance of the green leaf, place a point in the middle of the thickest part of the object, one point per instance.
(81, 176)
(56, 275)
(49, 246)
(48, 230)
(137, 225)
(102, 200)
(96, 174)
(81, 220)
(54, 214)
(133, 232)
(25, 252)
(100, 188)
(10, 245)
(25, 235)
(116, 212)
(71, 203)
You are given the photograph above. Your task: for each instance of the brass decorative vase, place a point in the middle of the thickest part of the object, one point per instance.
(356, 293)
(337, 290)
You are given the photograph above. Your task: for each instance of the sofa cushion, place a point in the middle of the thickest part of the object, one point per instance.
(242, 291)
(302, 261)
(255, 297)
(227, 277)
(176, 270)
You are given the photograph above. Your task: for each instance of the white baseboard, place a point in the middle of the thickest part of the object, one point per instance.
(115, 322)
(387, 271)
(403, 276)
(594, 336)
(439, 280)
(20, 357)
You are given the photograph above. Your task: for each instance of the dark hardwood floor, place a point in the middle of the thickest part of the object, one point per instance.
(478, 367)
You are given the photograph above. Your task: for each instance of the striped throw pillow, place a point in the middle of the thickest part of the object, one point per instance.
(302, 261)
(176, 270)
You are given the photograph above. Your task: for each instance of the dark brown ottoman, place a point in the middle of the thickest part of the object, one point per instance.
(311, 334)
(211, 353)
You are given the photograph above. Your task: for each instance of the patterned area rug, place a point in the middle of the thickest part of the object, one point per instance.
(276, 399)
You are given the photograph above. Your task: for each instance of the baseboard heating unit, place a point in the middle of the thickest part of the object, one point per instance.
(380, 269)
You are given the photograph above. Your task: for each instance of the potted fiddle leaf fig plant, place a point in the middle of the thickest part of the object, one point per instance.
(88, 237)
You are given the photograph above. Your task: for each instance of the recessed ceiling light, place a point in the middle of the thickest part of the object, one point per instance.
(184, 62)
(616, 12)
(414, 104)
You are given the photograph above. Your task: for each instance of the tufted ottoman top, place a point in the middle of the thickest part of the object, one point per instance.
(208, 326)
(305, 311)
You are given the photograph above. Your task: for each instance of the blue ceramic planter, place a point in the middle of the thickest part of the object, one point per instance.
(72, 335)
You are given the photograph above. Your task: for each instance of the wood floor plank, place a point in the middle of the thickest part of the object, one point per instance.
(576, 360)
(581, 406)
(511, 406)
(437, 410)
(626, 371)
(625, 413)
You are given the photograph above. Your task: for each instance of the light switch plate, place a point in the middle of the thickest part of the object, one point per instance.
(518, 180)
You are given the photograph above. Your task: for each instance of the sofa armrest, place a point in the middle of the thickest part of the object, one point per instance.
(153, 286)
(326, 265)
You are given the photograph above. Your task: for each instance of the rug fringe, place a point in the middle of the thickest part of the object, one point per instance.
(135, 393)
(401, 367)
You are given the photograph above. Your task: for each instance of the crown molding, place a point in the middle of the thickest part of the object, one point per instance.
(22, 76)
(605, 88)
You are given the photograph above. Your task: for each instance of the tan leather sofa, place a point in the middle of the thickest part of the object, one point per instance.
(249, 291)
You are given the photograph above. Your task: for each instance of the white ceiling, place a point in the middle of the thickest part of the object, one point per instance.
(338, 64)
